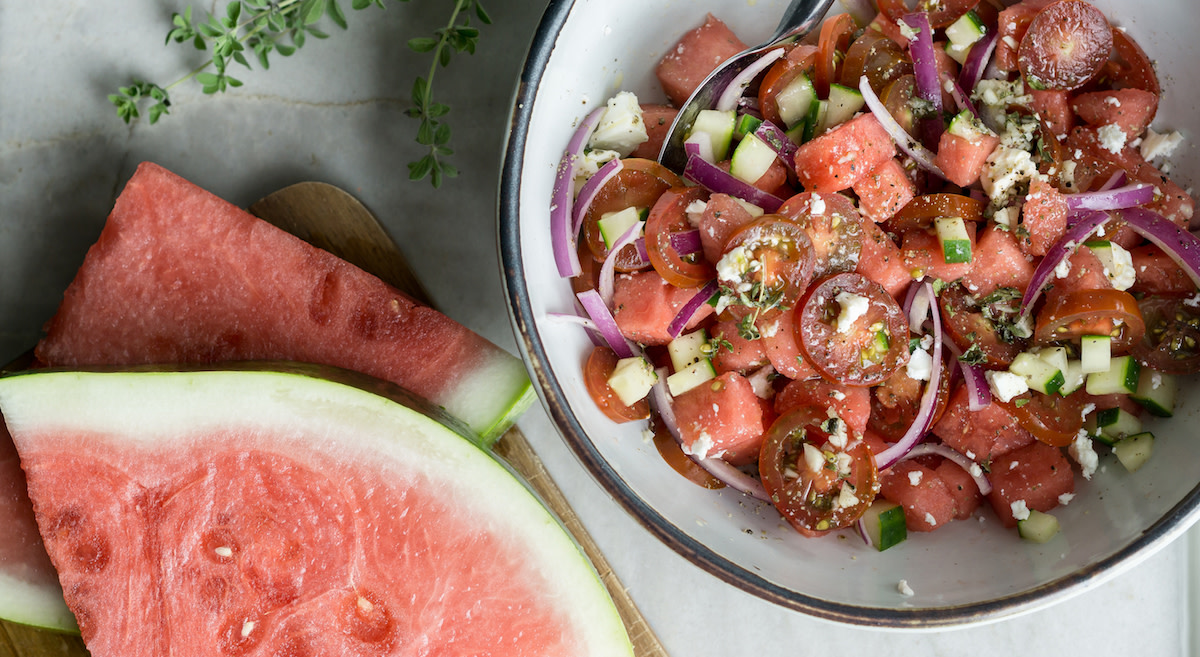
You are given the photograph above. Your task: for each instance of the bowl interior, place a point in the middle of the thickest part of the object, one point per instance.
(969, 571)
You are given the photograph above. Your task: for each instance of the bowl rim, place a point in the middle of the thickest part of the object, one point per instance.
(533, 351)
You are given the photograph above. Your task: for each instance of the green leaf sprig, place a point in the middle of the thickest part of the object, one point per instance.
(264, 27)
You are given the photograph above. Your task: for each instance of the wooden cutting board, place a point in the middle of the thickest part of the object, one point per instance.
(332, 219)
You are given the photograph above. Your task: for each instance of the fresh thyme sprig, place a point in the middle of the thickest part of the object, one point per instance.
(263, 27)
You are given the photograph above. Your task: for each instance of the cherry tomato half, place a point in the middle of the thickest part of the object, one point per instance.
(896, 402)
(638, 184)
(920, 212)
(816, 485)
(673, 454)
(1129, 65)
(1066, 45)
(599, 367)
(965, 324)
(1171, 343)
(779, 259)
(1052, 419)
(1092, 312)
(864, 352)
(835, 36)
(798, 59)
(833, 225)
(877, 57)
(668, 216)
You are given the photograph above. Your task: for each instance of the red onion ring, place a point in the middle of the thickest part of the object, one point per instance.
(929, 87)
(921, 155)
(605, 323)
(979, 394)
(685, 243)
(961, 99)
(715, 179)
(1111, 199)
(608, 269)
(689, 309)
(562, 240)
(924, 449)
(588, 325)
(917, 430)
(777, 139)
(733, 91)
(1116, 180)
(977, 61)
(1076, 234)
(1182, 246)
(588, 192)
(660, 400)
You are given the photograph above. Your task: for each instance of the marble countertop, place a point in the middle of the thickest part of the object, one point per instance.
(335, 112)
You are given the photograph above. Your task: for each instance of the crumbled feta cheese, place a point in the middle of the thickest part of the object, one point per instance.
(1155, 380)
(1063, 268)
(837, 434)
(816, 204)
(846, 497)
(1067, 175)
(1155, 145)
(813, 458)
(1020, 131)
(733, 265)
(1007, 217)
(904, 589)
(914, 477)
(1120, 271)
(701, 446)
(1005, 385)
(975, 470)
(1001, 93)
(1004, 170)
(930, 519)
(694, 211)
(920, 365)
(621, 127)
(1019, 510)
(769, 329)
(853, 306)
(1081, 450)
(838, 395)
(844, 461)
(1066, 498)
(1112, 138)
(590, 163)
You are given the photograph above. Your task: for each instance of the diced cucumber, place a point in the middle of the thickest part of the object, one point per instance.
(1038, 527)
(844, 103)
(1112, 424)
(885, 524)
(1073, 378)
(1156, 392)
(751, 159)
(614, 224)
(965, 125)
(688, 349)
(816, 117)
(1038, 374)
(958, 53)
(694, 375)
(968, 29)
(719, 127)
(956, 243)
(1095, 351)
(1121, 377)
(632, 379)
(1056, 356)
(746, 125)
(703, 142)
(1134, 451)
(795, 101)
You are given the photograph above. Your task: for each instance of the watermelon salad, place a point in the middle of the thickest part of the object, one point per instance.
(917, 261)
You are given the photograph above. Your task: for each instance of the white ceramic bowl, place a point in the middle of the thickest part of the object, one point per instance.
(971, 571)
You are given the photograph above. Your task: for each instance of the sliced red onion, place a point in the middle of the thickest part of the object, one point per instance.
(562, 240)
(777, 139)
(716, 179)
(928, 85)
(918, 306)
(1111, 199)
(733, 91)
(1076, 234)
(979, 394)
(977, 61)
(961, 99)
(749, 105)
(608, 268)
(865, 535)
(972, 468)
(1182, 246)
(921, 155)
(589, 190)
(684, 243)
(688, 311)
(701, 144)
(660, 400)
(605, 323)
(589, 326)
(920, 425)
(1116, 180)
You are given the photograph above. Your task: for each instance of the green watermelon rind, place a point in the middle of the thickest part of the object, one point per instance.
(37, 606)
(385, 419)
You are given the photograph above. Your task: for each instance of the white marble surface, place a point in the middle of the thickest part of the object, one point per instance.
(335, 112)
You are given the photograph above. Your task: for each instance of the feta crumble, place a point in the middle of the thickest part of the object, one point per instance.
(920, 365)
(621, 127)
(1005, 385)
(1155, 145)
(1019, 510)
(853, 306)
(904, 589)
(1082, 451)
(1112, 138)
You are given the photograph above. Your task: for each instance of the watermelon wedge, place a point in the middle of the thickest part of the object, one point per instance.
(283, 513)
(179, 275)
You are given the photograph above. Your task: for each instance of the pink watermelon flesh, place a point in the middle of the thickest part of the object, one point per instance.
(181, 276)
(262, 514)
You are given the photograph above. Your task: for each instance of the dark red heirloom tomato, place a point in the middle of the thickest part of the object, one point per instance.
(816, 485)
(669, 216)
(599, 367)
(1171, 343)
(1052, 419)
(1092, 312)
(638, 184)
(779, 257)
(862, 352)
(1066, 46)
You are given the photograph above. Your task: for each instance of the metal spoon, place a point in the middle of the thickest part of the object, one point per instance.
(798, 19)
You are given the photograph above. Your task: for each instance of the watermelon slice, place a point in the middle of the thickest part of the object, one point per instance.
(179, 275)
(279, 512)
